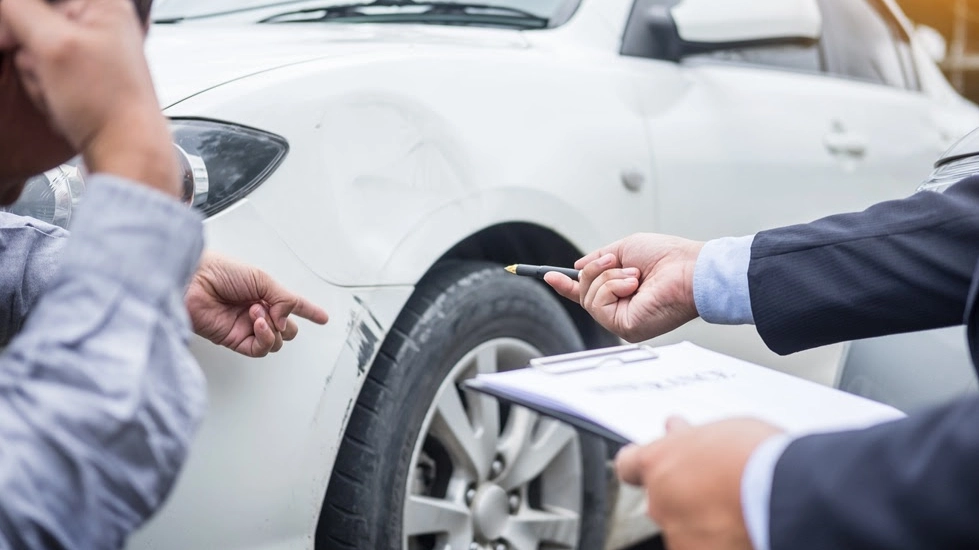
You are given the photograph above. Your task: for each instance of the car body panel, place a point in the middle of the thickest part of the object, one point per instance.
(911, 371)
(184, 68)
(260, 463)
(397, 161)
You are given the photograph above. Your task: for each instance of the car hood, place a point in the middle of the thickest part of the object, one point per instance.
(189, 59)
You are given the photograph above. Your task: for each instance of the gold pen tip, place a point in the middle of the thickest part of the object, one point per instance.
(511, 269)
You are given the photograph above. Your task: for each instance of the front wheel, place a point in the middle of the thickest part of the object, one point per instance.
(426, 465)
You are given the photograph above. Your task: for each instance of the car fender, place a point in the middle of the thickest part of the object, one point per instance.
(386, 173)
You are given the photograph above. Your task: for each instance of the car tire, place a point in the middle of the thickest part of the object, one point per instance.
(463, 310)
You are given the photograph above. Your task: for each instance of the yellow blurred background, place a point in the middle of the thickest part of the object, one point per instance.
(958, 23)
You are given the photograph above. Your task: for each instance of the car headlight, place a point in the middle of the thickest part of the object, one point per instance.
(220, 163)
(959, 162)
(232, 160)
(52, 196)
(950, 173)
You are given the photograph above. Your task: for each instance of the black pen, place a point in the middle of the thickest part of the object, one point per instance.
(539, 270)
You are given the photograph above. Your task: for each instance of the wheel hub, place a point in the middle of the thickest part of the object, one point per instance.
(490, 511)
(485, 463)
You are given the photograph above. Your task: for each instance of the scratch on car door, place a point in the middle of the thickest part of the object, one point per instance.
(364, 332)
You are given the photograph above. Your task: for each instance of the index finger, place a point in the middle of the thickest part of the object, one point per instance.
(310, 311)
(589, 258)
(284, 306)
(590, 272)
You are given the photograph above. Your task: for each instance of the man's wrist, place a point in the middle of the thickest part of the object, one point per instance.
(136, 146)
(689, 277)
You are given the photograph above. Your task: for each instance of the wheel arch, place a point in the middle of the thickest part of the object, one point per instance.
(523, 242)
(461, 276)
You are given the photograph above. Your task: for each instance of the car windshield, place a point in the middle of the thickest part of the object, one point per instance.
(517, 13)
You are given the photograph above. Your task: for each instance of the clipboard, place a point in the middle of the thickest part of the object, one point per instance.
(624, 394)
(567, 363)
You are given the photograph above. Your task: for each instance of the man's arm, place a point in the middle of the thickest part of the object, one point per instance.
(907, 484)
(31, 252)
(231, 304)
(99, 396)
(898, 266)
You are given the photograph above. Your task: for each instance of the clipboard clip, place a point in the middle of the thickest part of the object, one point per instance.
(593, 359)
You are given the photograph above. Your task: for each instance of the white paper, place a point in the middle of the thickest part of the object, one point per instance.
(699, 385)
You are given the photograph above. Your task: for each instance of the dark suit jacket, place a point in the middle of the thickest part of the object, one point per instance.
(899, 266)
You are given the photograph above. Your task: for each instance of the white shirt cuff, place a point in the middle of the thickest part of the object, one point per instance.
(720, 281)
(756, 488)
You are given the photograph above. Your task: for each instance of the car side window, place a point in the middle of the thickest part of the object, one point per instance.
(863, 40)
(794, 57)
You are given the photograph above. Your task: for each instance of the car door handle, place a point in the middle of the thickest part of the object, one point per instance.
(845, 143)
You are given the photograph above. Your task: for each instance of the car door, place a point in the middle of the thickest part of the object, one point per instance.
(764, 136)
(885, 129)
(771, 135)
(744, 147)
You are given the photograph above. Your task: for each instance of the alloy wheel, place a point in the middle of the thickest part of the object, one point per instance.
(489, 476)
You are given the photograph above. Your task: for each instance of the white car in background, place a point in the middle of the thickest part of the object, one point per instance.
(386, 160)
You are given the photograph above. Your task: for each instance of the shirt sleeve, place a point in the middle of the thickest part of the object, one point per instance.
(99, 395)
(31, 252)
(756, 488)
(720, 281)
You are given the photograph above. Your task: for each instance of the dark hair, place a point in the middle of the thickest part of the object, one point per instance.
(143, 9)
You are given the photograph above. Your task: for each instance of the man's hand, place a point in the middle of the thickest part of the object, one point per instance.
(81, 64)
(692, 479)
(242, 308)
(639, 287)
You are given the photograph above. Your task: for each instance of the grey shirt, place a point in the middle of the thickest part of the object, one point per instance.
(99, 395)
(30, 253)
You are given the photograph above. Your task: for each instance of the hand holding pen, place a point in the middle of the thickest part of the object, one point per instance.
(638, 288)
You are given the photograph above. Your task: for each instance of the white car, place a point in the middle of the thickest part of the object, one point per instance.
(386, 160)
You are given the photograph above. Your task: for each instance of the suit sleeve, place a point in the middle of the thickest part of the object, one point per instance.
(907, 484)
(898, 266)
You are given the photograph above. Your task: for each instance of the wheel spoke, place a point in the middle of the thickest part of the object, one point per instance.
(425, 515)
(516, 435)
(485, 408)
(534, 458)
(452, 427)
(531, 528)
(487, 360)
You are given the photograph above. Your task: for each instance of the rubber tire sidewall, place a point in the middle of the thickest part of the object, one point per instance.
(457, 307)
